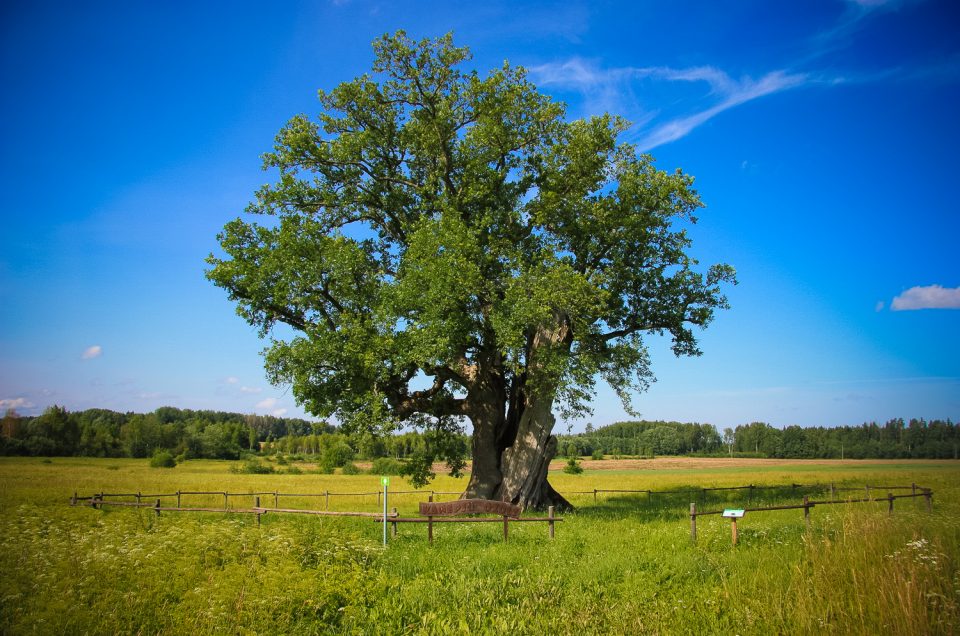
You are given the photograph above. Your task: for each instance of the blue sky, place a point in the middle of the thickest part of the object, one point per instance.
(822, 136)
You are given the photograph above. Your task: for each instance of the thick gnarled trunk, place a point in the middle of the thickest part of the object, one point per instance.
(524, 465)
(513, 441)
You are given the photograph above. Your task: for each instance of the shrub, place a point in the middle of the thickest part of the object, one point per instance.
(351, 469)
(293, 470)
(597, 454)
(252, 467)
(573, 467)
(324, 469)
(338, 455)
(163, 459)
(386, 466)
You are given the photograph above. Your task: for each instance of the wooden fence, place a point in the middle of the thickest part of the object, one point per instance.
(807, 504)
(702, 493)
(153, 501)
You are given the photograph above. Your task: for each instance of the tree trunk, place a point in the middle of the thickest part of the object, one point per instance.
(524, 465)
(512, 434)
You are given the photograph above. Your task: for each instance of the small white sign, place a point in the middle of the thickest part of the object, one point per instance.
(731, 513)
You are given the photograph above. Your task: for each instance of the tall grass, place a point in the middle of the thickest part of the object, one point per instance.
(622, 565)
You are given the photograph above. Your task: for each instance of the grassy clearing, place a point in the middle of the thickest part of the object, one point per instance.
(622, 565)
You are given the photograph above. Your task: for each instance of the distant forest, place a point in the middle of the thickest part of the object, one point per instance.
(935, 439)
(192, 434)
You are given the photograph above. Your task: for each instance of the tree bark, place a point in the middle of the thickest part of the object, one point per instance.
(513, 441)
(524, 465)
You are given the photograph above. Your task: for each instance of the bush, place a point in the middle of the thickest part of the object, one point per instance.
(386, 466)
(351, 469)
(252, 467)
(293, 470)
(163, 459)
(324, 469)
(597, 454)
(338, 455)
(573, 467)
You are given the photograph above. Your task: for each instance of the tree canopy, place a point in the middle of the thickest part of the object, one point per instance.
(446, 246)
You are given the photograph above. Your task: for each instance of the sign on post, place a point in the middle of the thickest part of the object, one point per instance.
(733, 514)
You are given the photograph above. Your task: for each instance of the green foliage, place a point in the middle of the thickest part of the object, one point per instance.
(338, 455)
(432, 222)
(252, 467)
(573, 467)
(597, 454)
(351, 469)
(163, 459)
(386, 466)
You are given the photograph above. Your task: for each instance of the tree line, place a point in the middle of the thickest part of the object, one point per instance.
(191, 434)
(896, 439)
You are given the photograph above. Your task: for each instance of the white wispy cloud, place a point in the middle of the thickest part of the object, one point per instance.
(231, 380)
(16, 403)
(92, 352)
(279, 412)
(741, 92)
(250, 389)
(267, 403)
(610, 89)
(929, 297)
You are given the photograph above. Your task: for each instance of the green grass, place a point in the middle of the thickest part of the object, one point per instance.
(622, 565)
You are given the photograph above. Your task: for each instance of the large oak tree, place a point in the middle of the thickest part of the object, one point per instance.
(448, 247)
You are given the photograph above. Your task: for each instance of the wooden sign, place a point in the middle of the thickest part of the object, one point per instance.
(470, 506)
(731, 513)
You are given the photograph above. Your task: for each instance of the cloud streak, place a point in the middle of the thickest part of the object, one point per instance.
(92, 352)
(16, 403)
(606, 89)
(929, 297)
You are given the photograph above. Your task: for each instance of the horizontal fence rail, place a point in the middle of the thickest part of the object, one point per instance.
(152, 501)
(807, 504)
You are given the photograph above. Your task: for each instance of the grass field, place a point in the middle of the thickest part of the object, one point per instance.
(622, 565)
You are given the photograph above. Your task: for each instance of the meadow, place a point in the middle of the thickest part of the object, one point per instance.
(623, 564)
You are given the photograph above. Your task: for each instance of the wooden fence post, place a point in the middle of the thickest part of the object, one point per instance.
(256, 504)
(505, 522)
(178, 499)
(550, 515)
(327, 504)
(225, 501)
(156, 508)
(73, 500)
(928, 495)
(890, 500)
(867, 487)
(806, 510)
(750, 495)
(138, 496)
(394, 512)
(693, 521)
(276, 499)
(430, 521)
(832, 495)
(594, 495)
